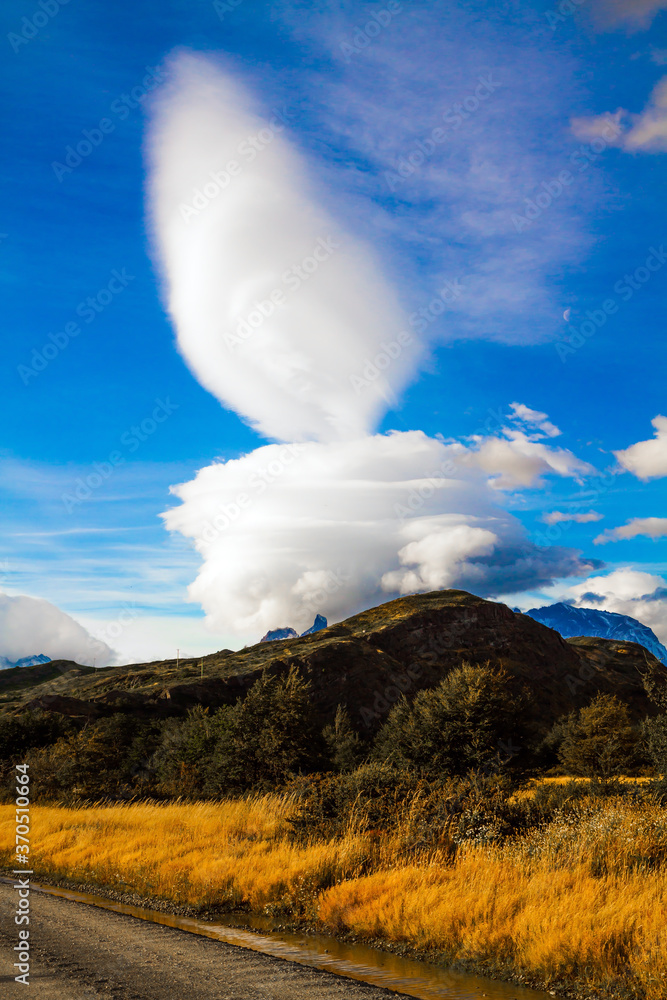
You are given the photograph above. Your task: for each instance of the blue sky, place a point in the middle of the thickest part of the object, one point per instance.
(79, 254)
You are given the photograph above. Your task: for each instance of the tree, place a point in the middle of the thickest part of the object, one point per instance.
(267, 736)
(599, 741)
(344, 747)
(473, 720)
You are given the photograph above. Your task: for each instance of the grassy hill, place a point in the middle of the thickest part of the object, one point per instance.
(363, 663)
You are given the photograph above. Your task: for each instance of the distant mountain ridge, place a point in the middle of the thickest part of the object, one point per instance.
(26, 661)
(364, 663)
(571, 622)
(288, 633)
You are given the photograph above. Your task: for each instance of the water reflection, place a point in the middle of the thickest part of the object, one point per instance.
(356, 961)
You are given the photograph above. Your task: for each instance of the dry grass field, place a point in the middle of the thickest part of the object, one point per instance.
(582, 899)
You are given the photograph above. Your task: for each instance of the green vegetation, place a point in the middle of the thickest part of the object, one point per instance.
(474, 719)
(599, 741)
(473, 738)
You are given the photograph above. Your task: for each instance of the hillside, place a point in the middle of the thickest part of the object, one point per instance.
(364, 663)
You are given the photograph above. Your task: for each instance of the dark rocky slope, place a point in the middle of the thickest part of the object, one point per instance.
(365, 663)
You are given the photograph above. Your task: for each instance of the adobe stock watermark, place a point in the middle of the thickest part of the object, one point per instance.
(31, 26)
(131, 440)
(113, 630)
(419, 495)
(551, 190)
(365, 34)
(625, 288)
(332, 582)
(88, 310)
(420, 320)
(219, 180)
(453, 117)
(224, 7)
(292, 279)
(403, 680)
(554, 532)
(120, 109)
(566, 8)
(258, 482)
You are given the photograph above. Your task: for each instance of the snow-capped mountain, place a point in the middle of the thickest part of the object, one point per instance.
(279, 633)
(289, 633)
(319, 623)
(26, 661)
(571, 621)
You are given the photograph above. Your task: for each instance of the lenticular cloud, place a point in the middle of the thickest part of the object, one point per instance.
(279, 312)
(287, 320)
(291, 530)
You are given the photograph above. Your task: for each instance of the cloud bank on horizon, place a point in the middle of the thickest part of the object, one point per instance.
(30, 625)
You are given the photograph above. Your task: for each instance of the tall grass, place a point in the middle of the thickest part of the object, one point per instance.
(581, 899)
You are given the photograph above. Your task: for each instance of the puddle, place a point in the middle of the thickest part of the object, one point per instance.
(355, 961)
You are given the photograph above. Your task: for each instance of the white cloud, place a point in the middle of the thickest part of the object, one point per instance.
(652, 527)
(334, 527)
(636, 14)
(644, 132)
(627, 592)
(649, 129)
(29, 625)
(292, 529)
(516, 459)
(606, 126)
(647, 459)
(277, 309)
(145, 637)
(558, 516)
(528, 416)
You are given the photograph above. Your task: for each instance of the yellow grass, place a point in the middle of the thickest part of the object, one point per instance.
(583, 899)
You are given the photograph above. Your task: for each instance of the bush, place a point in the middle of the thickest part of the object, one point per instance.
(473, 720)
(599, 740)
(380, 799)
(21, 733)
(654, 737)
(257, 743)
(344, 746)
(105, 759)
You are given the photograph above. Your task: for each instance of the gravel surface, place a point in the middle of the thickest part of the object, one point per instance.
(82, 952)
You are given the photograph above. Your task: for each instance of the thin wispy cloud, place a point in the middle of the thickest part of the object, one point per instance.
(634, 14)
(439, 147)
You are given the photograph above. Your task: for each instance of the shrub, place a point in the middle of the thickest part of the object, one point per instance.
(102, 760)
(473, 720)
(344, 747)
(256, 743)
(599, 740)
(378, 798)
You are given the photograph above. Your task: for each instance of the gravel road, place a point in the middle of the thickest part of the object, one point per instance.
(82, 952)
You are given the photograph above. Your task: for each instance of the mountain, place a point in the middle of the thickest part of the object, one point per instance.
(570, 622)
(27, 661)
(319, 623)
(279, 633)
(364, 663)
(289, 633)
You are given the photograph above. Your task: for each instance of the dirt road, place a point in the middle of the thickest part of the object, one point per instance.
(82, 952)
